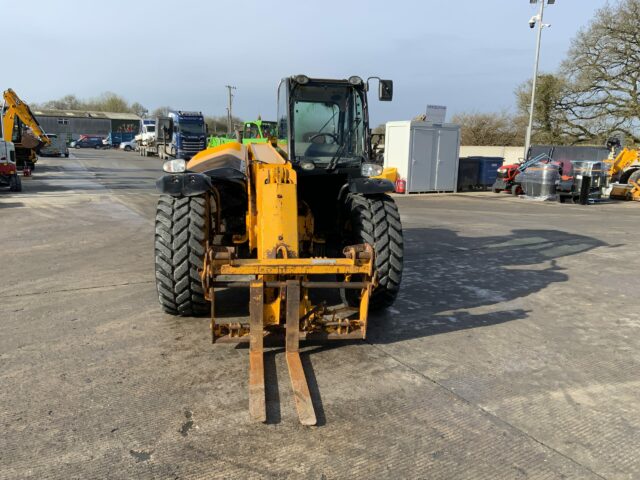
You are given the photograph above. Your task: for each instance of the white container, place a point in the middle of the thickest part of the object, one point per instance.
(425, 154)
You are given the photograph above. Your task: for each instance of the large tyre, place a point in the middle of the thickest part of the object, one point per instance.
(15, 184)
(635, 176)
(179, 251)
(375, 220)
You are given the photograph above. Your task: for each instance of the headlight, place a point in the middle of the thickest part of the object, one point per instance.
(355, 80)
(307, 165)
(370, 169)
(302, 79)
(175, 166)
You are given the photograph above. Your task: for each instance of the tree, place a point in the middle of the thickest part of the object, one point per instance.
(138, 109)
(106, 102)
(68, 102)
(382, 128)
(489, 129)
(161, 111)
(602, 66)
(109, 102)
(549, 113)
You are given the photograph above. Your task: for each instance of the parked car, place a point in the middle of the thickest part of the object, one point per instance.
(57, 147)
(88, 142)
(128, 146)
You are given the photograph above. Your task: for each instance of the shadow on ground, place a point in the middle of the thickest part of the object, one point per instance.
(445, 276)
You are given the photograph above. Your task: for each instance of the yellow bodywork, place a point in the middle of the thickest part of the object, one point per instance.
(14, 109)
(626, 159)
(389, 173)
(282, 272)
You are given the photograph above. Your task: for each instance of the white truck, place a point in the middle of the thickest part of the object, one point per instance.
(147, 134)
(8, 171)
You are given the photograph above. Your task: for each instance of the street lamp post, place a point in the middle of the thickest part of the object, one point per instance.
(539, 20)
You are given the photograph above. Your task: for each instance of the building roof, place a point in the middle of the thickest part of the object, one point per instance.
(86, 114)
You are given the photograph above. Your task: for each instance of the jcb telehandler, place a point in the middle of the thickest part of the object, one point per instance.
(287, 214)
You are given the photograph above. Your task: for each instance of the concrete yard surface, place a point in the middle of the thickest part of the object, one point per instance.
(513, 350)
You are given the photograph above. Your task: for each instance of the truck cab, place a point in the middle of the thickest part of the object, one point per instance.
(147, 132)
(258, 131)
(182, 134)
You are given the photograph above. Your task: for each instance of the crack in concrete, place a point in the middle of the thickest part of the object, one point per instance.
(78, 289)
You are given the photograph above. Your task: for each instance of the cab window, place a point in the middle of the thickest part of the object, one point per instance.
(251, 131)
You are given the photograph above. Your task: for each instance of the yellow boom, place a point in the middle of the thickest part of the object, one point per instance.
(14, 113)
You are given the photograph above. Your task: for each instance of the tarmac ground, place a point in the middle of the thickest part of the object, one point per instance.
(513, 350)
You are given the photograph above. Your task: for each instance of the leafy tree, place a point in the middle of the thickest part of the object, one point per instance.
(549, 113)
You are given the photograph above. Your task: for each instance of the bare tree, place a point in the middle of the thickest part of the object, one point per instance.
(161, 111)
(138, 109)
(489, 129)
(106, 102)
(68, 102)
(602, 66)
(218, 125)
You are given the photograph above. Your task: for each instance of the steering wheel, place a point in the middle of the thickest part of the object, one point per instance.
(333, 136)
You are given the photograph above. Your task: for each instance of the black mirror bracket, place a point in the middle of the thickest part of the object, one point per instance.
(385, 88)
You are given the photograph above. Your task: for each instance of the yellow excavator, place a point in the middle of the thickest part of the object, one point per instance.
(16, 115)
(290, 220)
(624, 174)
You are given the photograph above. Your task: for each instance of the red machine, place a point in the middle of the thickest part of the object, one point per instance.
(507, 175)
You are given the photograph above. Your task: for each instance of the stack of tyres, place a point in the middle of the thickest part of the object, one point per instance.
(539, 180)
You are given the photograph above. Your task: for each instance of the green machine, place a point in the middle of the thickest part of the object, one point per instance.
(255, 131)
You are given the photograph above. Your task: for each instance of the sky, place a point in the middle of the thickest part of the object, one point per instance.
(469, 55)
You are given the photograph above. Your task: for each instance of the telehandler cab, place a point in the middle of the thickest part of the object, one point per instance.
(286, 213)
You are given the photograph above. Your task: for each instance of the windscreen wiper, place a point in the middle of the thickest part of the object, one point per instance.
(333, 163)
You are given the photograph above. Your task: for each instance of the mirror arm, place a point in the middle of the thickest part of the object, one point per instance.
(366, 88)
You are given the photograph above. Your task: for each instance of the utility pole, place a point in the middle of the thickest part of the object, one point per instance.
(230, 88)
(539, 18)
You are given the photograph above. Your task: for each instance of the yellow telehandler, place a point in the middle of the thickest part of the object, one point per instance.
(278, 218)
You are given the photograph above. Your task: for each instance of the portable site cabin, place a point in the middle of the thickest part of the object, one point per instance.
(425, 154)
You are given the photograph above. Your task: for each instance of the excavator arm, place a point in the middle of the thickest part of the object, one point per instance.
(623, 160)
(15, 109)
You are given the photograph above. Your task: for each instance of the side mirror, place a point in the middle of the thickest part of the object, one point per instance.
(385, 90)
(164, 129)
